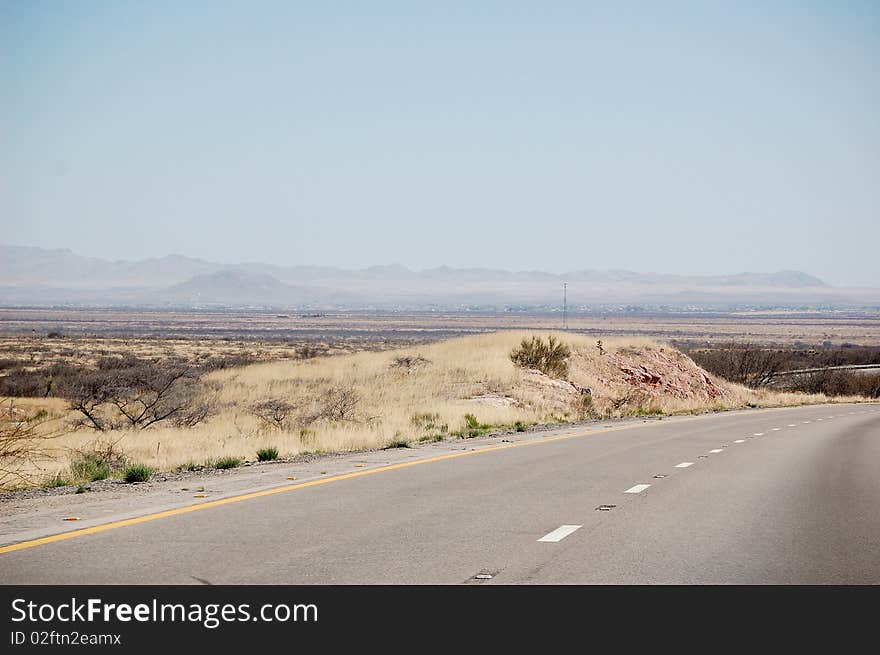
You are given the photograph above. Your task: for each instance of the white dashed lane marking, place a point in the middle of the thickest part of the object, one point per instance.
(563, 531)
(559, 533)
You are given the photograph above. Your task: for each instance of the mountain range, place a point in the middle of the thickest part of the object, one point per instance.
(36, 276)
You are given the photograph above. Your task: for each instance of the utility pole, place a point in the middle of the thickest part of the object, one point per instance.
(565, 305)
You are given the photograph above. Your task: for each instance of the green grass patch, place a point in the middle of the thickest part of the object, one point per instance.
(267, 454)
(137, 473)
(473, 428)
(229, 462)
(90, 467)
(58, 481)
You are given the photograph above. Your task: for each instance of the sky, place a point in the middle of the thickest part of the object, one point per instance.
(675, 137)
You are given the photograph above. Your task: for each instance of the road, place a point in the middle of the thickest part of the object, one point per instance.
(786, 496)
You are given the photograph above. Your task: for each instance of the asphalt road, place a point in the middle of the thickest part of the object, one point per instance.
(776, 496)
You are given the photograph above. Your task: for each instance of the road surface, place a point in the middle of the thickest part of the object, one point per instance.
(770, 496)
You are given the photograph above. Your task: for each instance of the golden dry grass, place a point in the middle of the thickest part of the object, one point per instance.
(444, 382)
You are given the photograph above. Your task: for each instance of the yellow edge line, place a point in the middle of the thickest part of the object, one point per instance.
(291, 487)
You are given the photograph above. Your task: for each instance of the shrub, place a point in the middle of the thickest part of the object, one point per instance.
(22, 383)
(137, 473)
(274, 412)
(340, 404)
(473, 428)
(228, 462)
(519, 426)
(397, 442)
(267, 454)
(136, 393)
(744, 363)
(585, 407)
(409, 362)
(90, 466)
(550, 357)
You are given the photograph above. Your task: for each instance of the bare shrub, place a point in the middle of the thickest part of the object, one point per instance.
(336, 405)
(309, 351)
(744, 363)
(137, 395)
(340, 404)
(274, 412)
(22, 443)
(229, 361)
(836, 383)
(88, 396)
(408, 363)
(193, 413)
(629, 401)
(761, 367)
(19, 382)
(550, 357)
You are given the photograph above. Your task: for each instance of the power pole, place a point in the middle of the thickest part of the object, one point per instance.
(565, 305)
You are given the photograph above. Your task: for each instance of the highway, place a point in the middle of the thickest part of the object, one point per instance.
(789, 496)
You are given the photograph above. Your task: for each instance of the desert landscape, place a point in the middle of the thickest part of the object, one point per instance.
(126, 394)
(298, 298)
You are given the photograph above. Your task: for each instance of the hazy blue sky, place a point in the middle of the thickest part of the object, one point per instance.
(673, 137)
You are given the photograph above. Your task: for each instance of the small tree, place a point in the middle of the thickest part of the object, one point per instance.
(550, 357)
(137, 395)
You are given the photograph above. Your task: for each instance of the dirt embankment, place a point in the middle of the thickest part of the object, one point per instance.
(618, 380)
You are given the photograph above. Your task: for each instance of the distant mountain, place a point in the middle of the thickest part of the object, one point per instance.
(21, 265)
(782, 279)
(233, 287)
(38, 277)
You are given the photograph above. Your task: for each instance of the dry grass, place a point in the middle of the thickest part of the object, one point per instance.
(420, 392)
